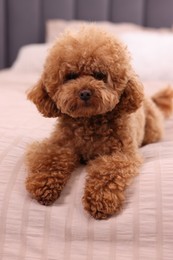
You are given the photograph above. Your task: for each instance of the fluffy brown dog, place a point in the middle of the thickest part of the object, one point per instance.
(88, 82)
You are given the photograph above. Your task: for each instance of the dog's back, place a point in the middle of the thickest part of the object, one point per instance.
(157, 108)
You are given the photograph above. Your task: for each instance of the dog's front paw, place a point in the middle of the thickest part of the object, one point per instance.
(43, 187)
(102, 204)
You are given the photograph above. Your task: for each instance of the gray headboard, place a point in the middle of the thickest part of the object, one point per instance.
(23, 21)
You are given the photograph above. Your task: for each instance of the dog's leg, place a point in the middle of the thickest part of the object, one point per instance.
(108, 176)
(49, 169)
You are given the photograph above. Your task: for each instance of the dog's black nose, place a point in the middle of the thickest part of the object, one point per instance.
(85, 94)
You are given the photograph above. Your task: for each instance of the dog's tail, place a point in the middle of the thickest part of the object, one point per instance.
(164, 100)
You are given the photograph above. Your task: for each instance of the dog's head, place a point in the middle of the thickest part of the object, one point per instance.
(87, 73)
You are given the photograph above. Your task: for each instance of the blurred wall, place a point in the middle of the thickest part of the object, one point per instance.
(2, 35)
(23, 21)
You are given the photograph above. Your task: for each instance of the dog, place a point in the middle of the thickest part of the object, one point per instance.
(88, 83)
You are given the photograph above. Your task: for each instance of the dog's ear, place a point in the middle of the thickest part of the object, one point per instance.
(132, 96)
(39, 96)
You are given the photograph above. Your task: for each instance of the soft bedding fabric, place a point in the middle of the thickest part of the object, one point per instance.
(64, 231)
(30, 58)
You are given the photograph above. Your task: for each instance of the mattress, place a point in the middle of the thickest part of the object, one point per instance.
(64, 231)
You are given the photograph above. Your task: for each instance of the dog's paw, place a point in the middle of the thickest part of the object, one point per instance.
(43, 188)
(102, 204)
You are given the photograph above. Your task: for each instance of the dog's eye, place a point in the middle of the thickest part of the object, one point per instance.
(71, 75)
(100, 76)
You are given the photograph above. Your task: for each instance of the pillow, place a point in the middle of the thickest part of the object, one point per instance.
(30, 58)
(56, 27)
(151, 51)
(152, 54)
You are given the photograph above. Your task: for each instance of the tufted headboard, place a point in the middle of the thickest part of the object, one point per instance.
(23, 21)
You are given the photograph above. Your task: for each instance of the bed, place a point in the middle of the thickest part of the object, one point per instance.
(64, 231)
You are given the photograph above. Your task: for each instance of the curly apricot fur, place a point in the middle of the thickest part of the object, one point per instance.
(104, 129)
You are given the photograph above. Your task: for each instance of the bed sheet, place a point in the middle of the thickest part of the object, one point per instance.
(64, 231)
